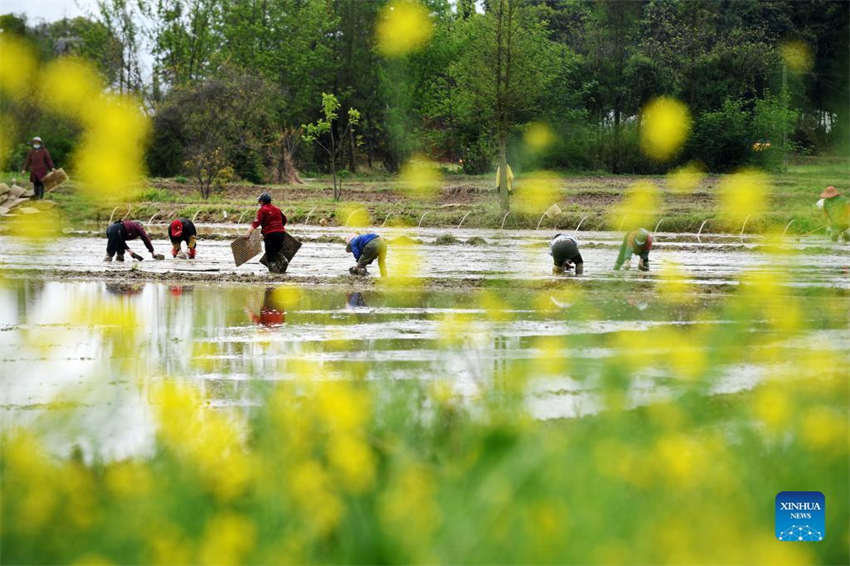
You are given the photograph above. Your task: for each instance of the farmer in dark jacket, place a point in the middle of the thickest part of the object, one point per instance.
(836, 208)
(564, 251)
(366, 248)
(182, 230)
(39, 164)
(637, 242)
(117, 235)
(272, 221)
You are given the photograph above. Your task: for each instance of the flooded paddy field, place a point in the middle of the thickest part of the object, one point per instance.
(492, 310)
(470, 257)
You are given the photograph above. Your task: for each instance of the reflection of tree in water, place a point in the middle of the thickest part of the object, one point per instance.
(271, 312)
(126, 289)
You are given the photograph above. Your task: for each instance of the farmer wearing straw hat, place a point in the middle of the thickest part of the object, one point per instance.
(38, 163)
(182, 230)
(637, 242)
(564, 251)
(271, 221)
(836, 209)
(366, 248)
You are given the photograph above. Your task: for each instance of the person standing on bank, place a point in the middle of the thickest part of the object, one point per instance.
(564, 251)
(38, 163)
(272, 221)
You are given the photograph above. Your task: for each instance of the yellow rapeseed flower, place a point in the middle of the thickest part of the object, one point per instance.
(638, 208)
(681, 458)
(342, 407)
(744, 194)
(538, 136)
(17, 65)
(665, 124)
(673, 287)
(36, 223)
(310, 488)
(772, 406)
(353, 215)
(420, 178)
(228, 538)
(72, 87)
(797, 55)
(686, 178)
(403, 26)
(351, 457)
(824, 430)
(536, 192)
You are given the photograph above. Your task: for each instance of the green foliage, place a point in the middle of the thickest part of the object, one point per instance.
(722, 139)
(323, 133)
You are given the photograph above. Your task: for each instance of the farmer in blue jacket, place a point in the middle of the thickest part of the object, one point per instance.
(366, 248)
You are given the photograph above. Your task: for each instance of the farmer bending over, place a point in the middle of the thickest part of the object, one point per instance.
(39, 164)
(117, 235)
(565, 254)
(182, 230)
(836, 208)
(272, 221)
(365, 248)
(637, 242)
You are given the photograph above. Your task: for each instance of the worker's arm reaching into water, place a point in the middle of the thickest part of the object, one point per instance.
(565, 255)
(637, 242)
(135, 230)
(366, 248)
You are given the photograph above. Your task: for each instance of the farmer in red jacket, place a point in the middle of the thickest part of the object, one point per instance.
(39, 164)
(272, 221)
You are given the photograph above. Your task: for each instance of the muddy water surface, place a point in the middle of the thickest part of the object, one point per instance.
(235, 340)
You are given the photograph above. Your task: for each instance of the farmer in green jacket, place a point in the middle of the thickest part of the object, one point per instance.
(836, 208)
(637, 242)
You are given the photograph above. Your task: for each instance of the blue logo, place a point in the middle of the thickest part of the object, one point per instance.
(800, 516)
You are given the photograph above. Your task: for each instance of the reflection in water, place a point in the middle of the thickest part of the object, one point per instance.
(354, 300)
(179, 290)
(201, 333)
(271, 313)
(125, 289)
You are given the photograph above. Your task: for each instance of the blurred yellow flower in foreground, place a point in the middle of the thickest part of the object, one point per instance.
(37, 223)
(420, 178)
(403, 26)
(686, 178)
(772, 407)
(205, 438)
(353, 215)
(17, 65)
(228, 537)
(538, 136)
(744, 194)
(72, 87)
(536, 192)
(665, 124)
(673, 287)
(797, 55)
(638, 209)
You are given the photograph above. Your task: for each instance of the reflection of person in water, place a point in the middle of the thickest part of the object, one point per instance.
(354, 300)
(271, 312)
(126, 289)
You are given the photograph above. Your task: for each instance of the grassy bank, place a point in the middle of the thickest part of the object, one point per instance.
(472, 201)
